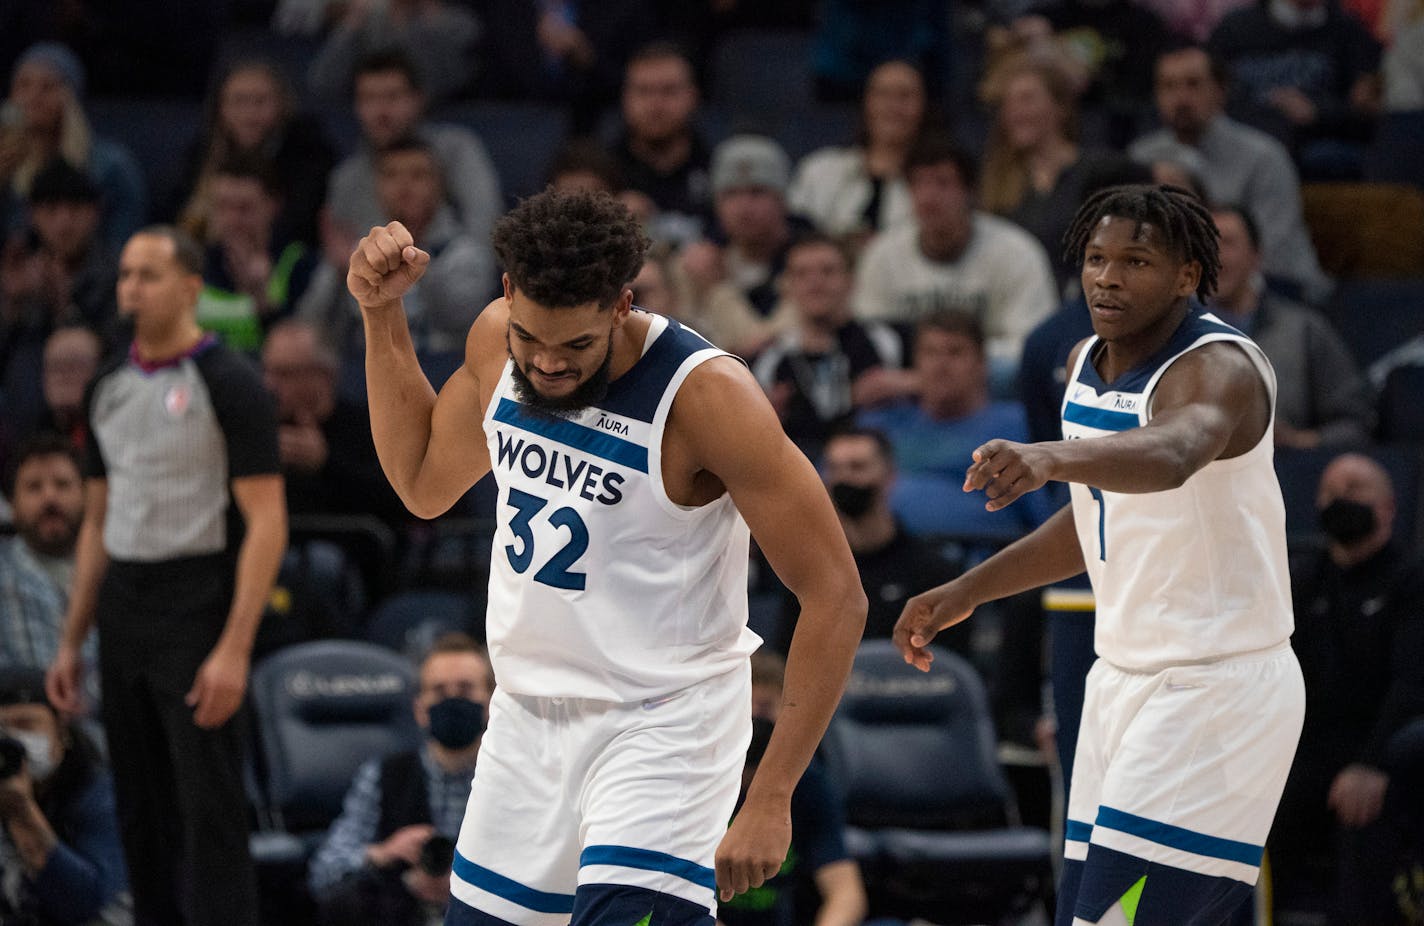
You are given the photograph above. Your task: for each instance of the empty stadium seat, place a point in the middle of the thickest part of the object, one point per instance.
(319, 593)
(157, 132)
(762, 70)
(931, 814)
(521, 139)
(1401, 406)
(409, 622)
(321, 710)
(1376, 316)
(1397, 153)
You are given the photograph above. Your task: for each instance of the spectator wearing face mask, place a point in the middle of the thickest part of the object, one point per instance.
(370, 867)
(1359, 635)
(59, 844)
(858, 466)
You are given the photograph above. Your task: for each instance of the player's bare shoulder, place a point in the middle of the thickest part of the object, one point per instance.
(722, 415)
(485, 347)
(716, 391)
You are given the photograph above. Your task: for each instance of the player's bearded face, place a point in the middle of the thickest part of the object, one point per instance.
(587, 391)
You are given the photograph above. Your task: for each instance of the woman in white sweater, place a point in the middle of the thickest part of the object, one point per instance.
(854, 192)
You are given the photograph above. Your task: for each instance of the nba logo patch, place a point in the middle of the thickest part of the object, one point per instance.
(175, 400)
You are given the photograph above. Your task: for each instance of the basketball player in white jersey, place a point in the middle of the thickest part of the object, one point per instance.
(631, 456)
(1195, 703)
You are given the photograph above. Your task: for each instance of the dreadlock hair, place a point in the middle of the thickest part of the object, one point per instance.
(1183, 220)
(569, 249)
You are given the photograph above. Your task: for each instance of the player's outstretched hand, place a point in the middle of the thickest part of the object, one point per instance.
(925, 615)
(754, 848)
(385, 265)
(1005, 471)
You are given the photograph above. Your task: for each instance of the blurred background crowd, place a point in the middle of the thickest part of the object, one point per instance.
(864, 199)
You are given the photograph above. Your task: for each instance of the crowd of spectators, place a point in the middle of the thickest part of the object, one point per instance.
(899, 289)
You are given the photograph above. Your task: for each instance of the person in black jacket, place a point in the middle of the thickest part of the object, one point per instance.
(378, 863)
(1360, 640)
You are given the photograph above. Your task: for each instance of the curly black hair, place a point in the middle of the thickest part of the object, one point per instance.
(569, 249)
(1183, 220)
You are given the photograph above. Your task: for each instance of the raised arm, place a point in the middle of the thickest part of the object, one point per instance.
(431, 448)
(734, 434)
(1210, 404)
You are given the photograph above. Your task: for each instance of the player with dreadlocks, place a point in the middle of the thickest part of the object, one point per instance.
(1194, 706)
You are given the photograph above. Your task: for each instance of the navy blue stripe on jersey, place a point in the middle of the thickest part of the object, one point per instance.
(571, 434)
(1195, 325)
(1078, 831)
(649, 860)
(511, 890)
(636, 394)
(1176, 837)
(1103, 419)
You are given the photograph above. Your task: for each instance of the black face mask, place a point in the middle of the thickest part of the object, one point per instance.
(457, 722)
(852, 500)
(1346, 521)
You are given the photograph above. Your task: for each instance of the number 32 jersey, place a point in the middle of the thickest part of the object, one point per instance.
(1192, 574)
(601, 586)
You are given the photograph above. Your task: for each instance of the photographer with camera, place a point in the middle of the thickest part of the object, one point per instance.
(386, 860)
(60, 856)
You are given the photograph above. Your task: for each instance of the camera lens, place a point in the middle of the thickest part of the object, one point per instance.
(12, 756)
(437, 855)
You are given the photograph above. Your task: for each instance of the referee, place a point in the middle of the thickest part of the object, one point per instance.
(182, 433)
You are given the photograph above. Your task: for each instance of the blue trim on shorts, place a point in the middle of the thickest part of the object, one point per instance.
(624, 905)
(649, 860)
(509, 889)
(1170, 897)
(1078, 831)
(1177, 837)
(460, 913)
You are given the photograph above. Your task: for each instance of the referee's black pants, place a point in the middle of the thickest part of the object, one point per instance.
(181, 803)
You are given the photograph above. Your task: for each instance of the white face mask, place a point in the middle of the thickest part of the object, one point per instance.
(39, 752)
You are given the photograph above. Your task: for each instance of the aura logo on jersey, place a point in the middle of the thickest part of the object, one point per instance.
(559, 470)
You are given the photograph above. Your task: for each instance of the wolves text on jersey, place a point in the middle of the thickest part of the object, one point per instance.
(559, 470)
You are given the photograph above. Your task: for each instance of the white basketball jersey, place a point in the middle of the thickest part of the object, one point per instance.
(1191, 574)
(600, 585)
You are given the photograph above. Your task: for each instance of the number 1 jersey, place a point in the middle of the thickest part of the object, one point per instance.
(601, 586)
(1192, 574)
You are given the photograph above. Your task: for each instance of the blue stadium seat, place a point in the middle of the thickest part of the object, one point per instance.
(932, 816)
(1375, 316)
(1401, 406)
(157, 132)
(817, 125)
(521, 138)
(409, 621)
(1397, 154)
(766, 70)
(321, 710)
(319, 594)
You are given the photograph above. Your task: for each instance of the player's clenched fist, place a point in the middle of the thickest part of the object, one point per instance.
(384, 266)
